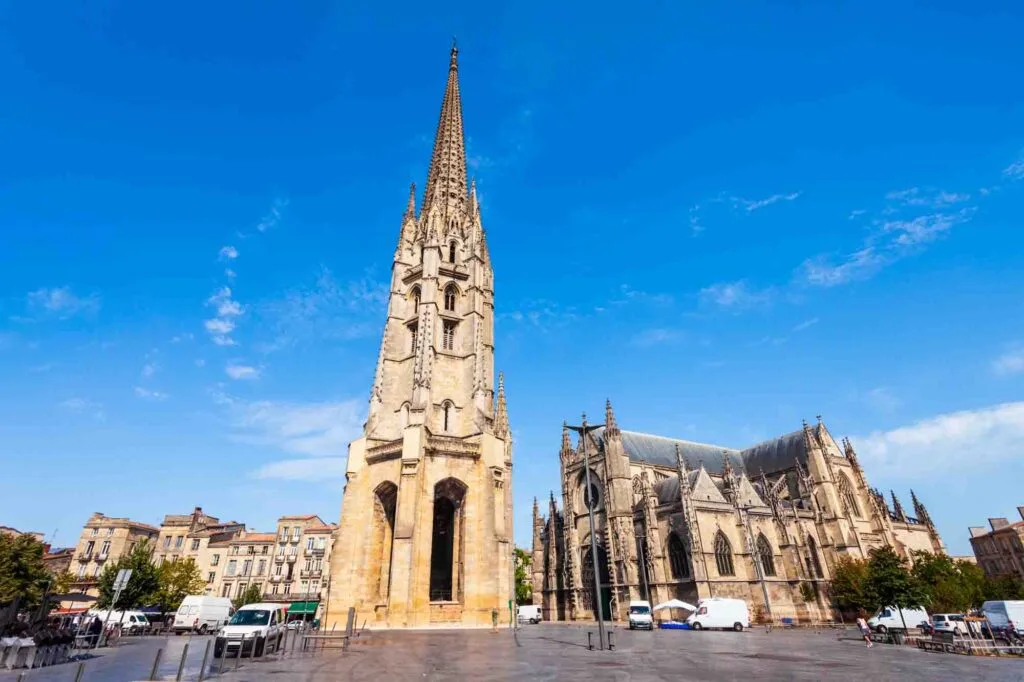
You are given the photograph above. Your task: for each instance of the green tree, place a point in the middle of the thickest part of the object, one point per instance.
(251, 595)
(952, 586)
(1004, 587)
(23, 575)
(178, 579)
(524, 591)
(849, 576)
(890, 583)
(142, 587)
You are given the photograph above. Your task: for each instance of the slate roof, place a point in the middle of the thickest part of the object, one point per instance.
(770, 456)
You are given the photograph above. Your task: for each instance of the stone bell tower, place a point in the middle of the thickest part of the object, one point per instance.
(426, 525)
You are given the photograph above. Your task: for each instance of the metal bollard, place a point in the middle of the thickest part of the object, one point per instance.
(78, 673)
(206, 656)
(156, 664)
(590, 641)
(181, 663)
(611, 640)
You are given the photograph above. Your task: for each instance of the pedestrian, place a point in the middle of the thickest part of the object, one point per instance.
(494, 620)
(95, 629)
(865, 630)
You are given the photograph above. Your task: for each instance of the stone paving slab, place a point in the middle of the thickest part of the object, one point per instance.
(559, 652)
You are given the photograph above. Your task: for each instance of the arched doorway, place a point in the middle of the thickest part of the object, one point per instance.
(589, 586)
(385, 502)
(446, 549)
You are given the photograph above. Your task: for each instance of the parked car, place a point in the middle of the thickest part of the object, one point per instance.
(254, 630)
(720, 612)
(202, 614)
(949, 622)
(1001, 613)
(640, 616)
(892, 618)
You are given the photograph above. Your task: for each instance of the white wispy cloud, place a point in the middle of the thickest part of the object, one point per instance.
(931, 198)
(221, 326)
(61, 303)
(1010, 362)
(825, 272)
(227, 253)
(936, 446)
(273, 217)
(85, 406)
(856, 213)
(311, 429)
(881, 399)
(311, 470)
(751, 206)
(230, 274)
(327, 310)
(1015, 171)
(735, 295)
(656, 336)
(924, 228)
(149, 369)
(806, 324)
(242, 372)
(149, 394)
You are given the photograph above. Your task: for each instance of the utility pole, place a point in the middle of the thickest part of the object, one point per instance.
(589, 500)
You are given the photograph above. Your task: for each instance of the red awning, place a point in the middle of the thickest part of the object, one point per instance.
(68, 612)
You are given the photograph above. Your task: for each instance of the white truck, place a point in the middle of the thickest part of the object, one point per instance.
(640, 617)
(529, 613)
(720, 612)
(1001, 613)
(892, 618)
(202, 614)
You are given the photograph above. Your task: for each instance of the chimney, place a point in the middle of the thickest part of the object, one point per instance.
(998, 523)
(1020, 510)
(977, 531)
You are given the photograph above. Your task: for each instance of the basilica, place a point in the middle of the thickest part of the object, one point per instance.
(675, 519)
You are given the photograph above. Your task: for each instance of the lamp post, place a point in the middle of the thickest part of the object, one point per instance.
(589, 500)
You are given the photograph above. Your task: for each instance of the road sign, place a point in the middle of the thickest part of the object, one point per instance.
(121, 581)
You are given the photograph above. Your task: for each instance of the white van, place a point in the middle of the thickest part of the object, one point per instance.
(529, 613)
(202, 614)
(640, 617)
(254, 630)
(720, 612)
(889, 618)
(1000, 613)
(131, 622)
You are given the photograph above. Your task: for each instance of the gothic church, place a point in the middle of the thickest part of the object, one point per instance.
(682, 520)
(426, 529)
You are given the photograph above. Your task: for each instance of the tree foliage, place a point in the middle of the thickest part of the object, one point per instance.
(524, 591)
(952, 586)
(143, 586)
(178, 579)
(849, 581)
(1004, 587)
(890, 582)
(250, 595)
(23, 575)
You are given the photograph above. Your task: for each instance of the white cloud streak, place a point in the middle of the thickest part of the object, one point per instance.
(147, 394)
(273, 217)
(1010, 362)
(735, 295)
(221, 326)
(939, 446)
(751, 206)
(242, 372)
(227, 253)
(62, 303)
(1015, 171)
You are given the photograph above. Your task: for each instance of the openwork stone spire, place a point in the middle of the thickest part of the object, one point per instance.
(501, 427)
(446, 180)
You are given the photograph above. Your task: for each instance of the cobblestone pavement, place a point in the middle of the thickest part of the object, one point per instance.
(559, 652)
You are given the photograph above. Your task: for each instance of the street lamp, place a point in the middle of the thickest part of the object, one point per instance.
(588, 499)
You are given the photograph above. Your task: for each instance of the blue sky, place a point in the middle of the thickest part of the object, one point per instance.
(725, 219)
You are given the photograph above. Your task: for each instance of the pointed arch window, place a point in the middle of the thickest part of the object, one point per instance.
(413, 329)
(723, 555)
(450, 295)
(415, 300)
(678, 558)
(765, 556)
(448, 336)
(813, 562)
(451, 252)
(447, 414)
(846, 490)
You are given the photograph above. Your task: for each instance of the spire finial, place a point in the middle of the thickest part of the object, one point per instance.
(501, 427)
(447, 186)
(455, 54)
(410, 208)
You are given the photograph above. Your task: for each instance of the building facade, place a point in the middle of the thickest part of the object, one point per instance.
(681, 520)
(1000, 550)
(105, 539)
(425, 533)
(186, 536)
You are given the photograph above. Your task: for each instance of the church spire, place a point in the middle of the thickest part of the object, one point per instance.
(501, 416)
(410, 208)
(446, 180)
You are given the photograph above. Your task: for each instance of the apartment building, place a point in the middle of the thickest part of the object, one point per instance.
(184, 536)
(7, 530)
(104, 539)
(301, 571)
(1000, 549)
(239, 562)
